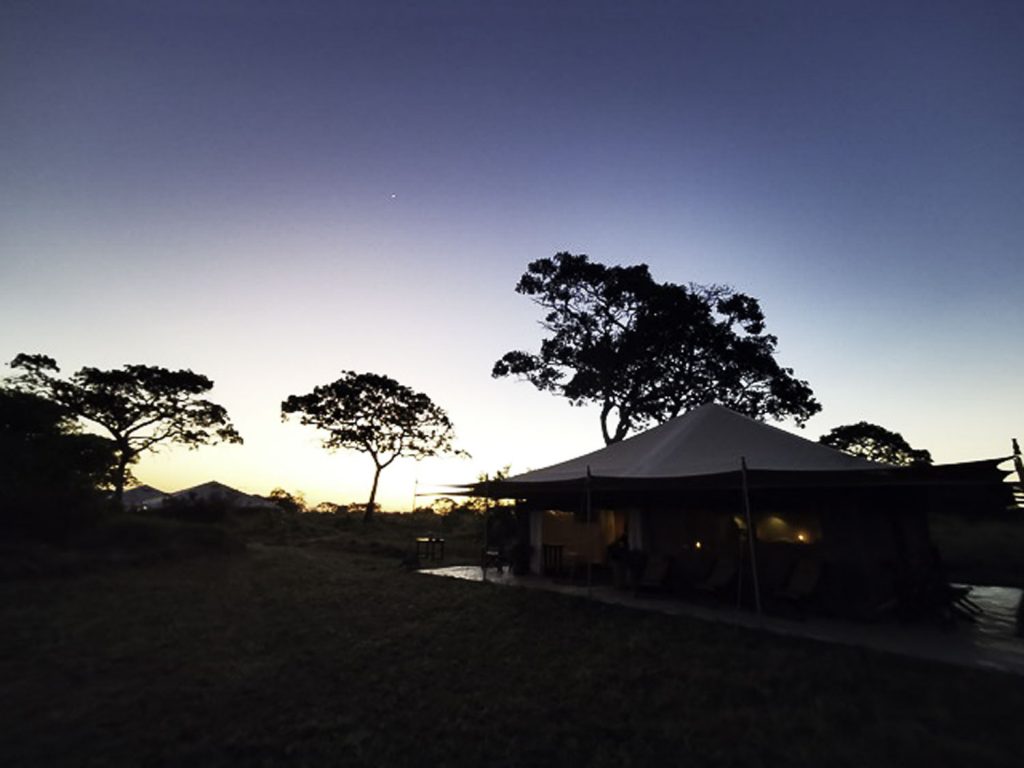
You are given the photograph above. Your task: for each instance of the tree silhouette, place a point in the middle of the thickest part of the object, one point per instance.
(292, 503)
(376, 415)
(646, 351)
(875, 443)
(140, 406)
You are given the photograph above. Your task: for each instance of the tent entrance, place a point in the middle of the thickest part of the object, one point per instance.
(568, 542)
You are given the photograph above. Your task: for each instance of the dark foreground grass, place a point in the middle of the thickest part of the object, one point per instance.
(311, 657)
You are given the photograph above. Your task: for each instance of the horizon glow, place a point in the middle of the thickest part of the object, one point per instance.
(268, 194)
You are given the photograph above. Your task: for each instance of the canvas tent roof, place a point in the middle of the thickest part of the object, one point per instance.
(708, 440)
(706, 446)
(211, 491)
(139, 495)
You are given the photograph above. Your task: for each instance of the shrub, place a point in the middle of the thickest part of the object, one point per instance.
(161, 536)
(193, 510)
(49, 472)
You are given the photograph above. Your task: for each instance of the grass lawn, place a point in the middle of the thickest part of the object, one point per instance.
(310, 656)
(981, 551)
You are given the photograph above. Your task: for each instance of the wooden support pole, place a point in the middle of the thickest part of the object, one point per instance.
(751, 534)
(589, 564)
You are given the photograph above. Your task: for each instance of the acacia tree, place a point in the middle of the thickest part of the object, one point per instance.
(374, 414)
(875, 443)
(140, 406)
(646, 352)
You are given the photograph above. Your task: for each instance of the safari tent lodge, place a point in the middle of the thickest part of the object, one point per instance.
(716, 503)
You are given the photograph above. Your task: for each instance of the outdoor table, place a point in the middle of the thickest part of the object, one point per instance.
(429, 548)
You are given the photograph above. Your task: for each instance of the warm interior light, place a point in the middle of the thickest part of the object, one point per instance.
(696, 544)
(801, 537)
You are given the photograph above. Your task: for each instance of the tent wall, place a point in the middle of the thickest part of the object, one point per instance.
(581, 542)
(636, 530)
(869, 542)
(865, 534)
(584, 542)
(876, 548)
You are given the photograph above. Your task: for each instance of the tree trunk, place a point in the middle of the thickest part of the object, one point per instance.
(122, 467)
(621, 425)
(368, 514)
(606, 408)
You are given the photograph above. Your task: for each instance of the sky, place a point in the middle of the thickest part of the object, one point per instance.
(270, 192)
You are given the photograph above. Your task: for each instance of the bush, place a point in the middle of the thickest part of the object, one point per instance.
(210, 511)
(54, 518)
(163, 536)
(49, 473)
(116, 541)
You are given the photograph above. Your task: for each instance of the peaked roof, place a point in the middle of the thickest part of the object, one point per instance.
(708, 440)
(140, 494)
(212, 490)
(706, 448)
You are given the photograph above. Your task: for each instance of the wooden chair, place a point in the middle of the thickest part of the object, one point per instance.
(552, 559)
(492, 558)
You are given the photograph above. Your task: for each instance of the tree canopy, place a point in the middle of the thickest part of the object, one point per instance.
(292, 503)
(875, 443)
(646, 352)
(376, 415)
(140, 406)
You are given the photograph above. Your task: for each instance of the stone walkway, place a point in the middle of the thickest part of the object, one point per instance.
(991, 643)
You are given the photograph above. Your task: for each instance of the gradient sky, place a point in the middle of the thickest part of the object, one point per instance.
(271, 192)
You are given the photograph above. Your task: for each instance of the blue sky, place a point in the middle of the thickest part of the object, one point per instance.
(271, 192)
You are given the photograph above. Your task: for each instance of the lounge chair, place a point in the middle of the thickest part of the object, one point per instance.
(723, 573)
(802, 583)
(654, 574)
